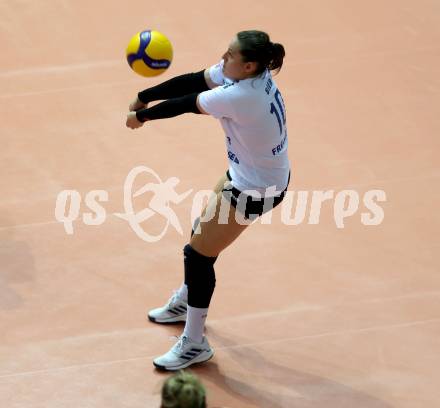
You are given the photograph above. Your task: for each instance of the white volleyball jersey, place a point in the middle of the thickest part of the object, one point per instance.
(253, 116)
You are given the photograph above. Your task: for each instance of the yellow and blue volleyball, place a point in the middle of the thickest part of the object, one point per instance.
(149, 53)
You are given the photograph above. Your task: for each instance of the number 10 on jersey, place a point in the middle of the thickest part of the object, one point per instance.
(279, 110)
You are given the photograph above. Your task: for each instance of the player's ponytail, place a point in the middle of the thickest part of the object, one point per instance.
(256, 46)
(278, 54)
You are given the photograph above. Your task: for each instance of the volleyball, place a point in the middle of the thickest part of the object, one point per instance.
(149, 53)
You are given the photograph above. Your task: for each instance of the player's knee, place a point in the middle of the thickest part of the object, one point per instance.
(199, 276)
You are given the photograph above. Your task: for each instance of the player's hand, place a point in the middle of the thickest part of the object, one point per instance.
(132, 121)
(136, 105)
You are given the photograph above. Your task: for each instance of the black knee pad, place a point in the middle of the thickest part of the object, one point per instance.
(199, 277)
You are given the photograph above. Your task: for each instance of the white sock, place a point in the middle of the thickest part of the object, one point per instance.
(195, 323)
(183, 292)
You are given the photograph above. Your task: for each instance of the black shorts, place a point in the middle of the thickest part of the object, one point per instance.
(253, 207)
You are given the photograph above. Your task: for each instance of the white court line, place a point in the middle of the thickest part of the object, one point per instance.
(335, 333)
(250, 316)
(32, 224)
(55, 69)
(312, 308)
(253, 344)
(73, 67)
(87, 65)
(72, 88)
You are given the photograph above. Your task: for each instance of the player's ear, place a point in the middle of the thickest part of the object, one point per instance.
(251, 66)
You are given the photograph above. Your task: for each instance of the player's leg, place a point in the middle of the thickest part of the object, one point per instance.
(218, 231)
(218, 228)
(175, 310)
(221, 183)
(224, 180)
(200, 256)
(221, 224)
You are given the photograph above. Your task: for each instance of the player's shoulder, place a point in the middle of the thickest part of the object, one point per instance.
(235, 92)
(228, 85)
(252, 90)
(229, 89)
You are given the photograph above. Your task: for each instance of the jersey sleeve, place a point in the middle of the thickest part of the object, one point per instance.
(216, 73)
(217, 102)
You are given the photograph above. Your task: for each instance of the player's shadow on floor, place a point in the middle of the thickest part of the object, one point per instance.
(16, 266)
(272, 385)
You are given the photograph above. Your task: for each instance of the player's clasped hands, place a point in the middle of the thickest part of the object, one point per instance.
(136, 105)
(132, 121)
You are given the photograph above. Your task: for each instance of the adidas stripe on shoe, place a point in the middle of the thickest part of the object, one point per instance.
(184, 353)
(174, 311)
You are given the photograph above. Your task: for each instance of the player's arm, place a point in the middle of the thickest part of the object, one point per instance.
(182, 93)
(173, 88)
(167, 109)
(186, 103)
(211, 84)
(201, 110)
(215, 102)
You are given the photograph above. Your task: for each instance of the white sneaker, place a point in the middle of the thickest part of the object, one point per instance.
(184, 353)
(174, 311)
